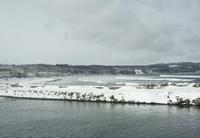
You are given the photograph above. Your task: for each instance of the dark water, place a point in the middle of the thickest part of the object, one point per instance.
(37, 118)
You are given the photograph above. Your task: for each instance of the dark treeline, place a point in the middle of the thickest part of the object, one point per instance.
(46, 70)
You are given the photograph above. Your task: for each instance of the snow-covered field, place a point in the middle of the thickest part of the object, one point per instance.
(184, 92)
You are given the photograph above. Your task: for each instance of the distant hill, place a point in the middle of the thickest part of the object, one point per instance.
(46, 70)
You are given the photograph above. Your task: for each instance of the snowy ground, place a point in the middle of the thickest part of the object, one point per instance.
(167, 93)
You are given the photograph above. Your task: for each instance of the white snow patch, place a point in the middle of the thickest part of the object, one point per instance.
(138, 72)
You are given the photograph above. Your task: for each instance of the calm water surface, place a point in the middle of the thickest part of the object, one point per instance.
(39, 118)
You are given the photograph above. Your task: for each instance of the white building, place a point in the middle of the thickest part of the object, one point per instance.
(4, 74)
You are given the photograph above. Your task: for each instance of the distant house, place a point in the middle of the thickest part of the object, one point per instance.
(4, 73)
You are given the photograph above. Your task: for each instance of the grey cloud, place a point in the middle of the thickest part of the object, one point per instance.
(99, 31)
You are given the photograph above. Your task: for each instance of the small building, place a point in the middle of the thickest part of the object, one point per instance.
(4, 73)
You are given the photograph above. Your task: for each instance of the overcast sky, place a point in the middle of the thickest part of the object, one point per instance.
(99, 31)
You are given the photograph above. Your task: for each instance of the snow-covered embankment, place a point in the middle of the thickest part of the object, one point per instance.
(166, 94)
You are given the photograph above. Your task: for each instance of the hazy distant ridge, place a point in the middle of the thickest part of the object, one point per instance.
(46, 70)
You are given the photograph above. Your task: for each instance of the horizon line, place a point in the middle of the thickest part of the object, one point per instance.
(103, 64)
